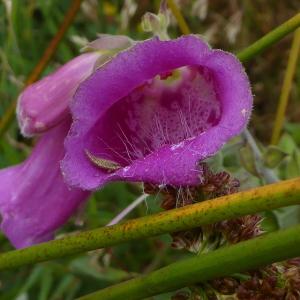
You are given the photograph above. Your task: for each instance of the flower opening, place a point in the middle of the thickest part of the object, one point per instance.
(156, 110)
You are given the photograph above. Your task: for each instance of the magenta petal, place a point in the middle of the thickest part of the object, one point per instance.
(44, 104)
(129, 113)
(34, 200)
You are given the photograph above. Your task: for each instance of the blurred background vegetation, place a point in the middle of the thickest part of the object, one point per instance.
(26, 28)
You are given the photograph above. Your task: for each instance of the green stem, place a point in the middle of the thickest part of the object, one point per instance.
(269, 39)
(286, 88)
(179, 17)
(243, 256)
(257, 47)
(249, 202)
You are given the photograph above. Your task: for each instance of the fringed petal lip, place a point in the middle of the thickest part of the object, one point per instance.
(154, 111)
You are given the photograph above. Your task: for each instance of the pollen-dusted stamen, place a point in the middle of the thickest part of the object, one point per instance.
(105, 164)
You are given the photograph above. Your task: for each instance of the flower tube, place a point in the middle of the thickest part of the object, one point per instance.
(34, 199)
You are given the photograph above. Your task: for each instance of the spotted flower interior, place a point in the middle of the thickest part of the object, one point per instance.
(166, 110)
(153, 112)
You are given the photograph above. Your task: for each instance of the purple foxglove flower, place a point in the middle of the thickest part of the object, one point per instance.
(153, 112)
(44, 104)
(34, 200)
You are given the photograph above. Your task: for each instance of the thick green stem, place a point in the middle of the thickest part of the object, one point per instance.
(243, 256)
(269, 39)
(252, 201)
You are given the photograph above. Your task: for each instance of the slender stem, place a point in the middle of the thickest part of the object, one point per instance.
(266, 173)
(179, 18)
(243, 256)
(50, 50)
(8, 117)
(286, 87)
(127, 210)
(252, 201)
(257, 47)
(269, 39)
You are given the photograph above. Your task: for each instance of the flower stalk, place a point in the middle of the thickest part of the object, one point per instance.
(243, 256)
(269, 39)
(118, 218)
(179, 18)
(252, 201)
(286, 88)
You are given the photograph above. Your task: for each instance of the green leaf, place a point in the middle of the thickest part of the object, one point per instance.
(270, 221)
(62, 287)
(287, 216)
(216, 162)
(273, 156)
(248, 160)
(33, 278)
(46, 283)
(84, 266)
(287, 143)
(293, 165)
(294, 130)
